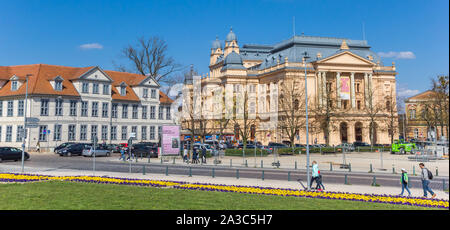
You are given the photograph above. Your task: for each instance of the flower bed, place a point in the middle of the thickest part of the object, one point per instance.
(412, 201)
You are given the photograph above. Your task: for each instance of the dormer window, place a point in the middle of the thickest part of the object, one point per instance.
(153, 93)
(58, 85)
(14, 85)
(123, 90)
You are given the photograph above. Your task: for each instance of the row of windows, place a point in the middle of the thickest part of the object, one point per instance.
(85, 88)
(145, 132)
(95, 107)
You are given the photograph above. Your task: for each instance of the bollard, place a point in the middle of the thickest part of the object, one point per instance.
(289, 176)
(374, 181)
(246, 165)
(295, 165)
(143, 170)
(346, 181)
(167, 170)
(173, 160)
(190, 171)
(262, 175)
(231, 163)
(437, 174)
(349, 167)
(443, 184)
(161, 160)
(213, 173)
(331, 166)
(393, 170)
(148, 158)
(237, 173)
(262, 164)
(371, 169)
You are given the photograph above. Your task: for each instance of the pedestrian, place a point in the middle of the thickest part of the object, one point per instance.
(38, 147)
(426, 177)
(319, 186)
(315, 173)
(404, 182)
(185, 155)
(203, 155)
(195, 156)
(122, 154)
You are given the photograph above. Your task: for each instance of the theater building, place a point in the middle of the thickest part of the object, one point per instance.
(77, 104)
(342, 74)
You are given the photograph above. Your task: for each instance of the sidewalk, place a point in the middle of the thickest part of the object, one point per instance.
(360, 162)
(416, 192)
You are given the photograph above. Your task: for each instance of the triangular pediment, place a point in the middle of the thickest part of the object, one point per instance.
(96, 74)
(347, 58)
(149, 81)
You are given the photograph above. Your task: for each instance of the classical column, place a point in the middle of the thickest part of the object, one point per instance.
(324, 88)
(338, 89)
(352, 89)
(318, 88)
(366, 89)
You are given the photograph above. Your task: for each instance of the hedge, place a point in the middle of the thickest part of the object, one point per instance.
(248, 152)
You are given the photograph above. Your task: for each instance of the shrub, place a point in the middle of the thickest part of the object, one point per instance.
(248, 152)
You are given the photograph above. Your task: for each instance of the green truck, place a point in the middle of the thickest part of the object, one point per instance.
(402, 147)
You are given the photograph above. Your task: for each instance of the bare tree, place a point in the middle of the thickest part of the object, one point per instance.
(241, 118)
(440, 88)
(392, 115)
(149, 57)
(372, 110)
(291, 109)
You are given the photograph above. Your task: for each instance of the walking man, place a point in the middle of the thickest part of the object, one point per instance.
(426, 177)
(404, 182)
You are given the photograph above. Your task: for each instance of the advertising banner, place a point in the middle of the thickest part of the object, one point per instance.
(345, 88)
(170, 141)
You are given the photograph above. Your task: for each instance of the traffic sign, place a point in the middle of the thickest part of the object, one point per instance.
(32, 120)
(31, 125)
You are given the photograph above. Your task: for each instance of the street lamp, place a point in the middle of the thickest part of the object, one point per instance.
(25, 122)
(305, 56)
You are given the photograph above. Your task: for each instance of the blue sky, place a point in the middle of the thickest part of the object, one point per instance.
(412, 33)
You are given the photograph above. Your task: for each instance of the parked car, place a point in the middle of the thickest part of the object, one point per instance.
(248, 146)
(346, 147)
(273, 145)
(113, 148)
(63, 145)
(144, 150)
(75, 149)
(300, 146)
(89, 152)
(11, 153)
(360, 144)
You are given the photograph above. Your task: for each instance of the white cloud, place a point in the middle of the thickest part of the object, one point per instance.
(90, 46)
(397, 55)
(407, 92)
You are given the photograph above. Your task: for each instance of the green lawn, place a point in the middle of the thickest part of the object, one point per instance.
(57, 195)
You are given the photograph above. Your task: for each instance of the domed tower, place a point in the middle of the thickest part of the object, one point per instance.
(216, 51)
(231, 43)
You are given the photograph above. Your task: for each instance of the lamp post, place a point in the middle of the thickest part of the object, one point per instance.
(24, 131)
(305, 56)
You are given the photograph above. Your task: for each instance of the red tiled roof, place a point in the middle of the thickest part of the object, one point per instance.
(42, 74)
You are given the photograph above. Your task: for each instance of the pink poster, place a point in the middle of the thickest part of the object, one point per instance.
(345, 88)
(170, 141)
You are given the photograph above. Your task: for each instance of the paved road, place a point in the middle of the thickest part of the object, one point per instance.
(110, 164)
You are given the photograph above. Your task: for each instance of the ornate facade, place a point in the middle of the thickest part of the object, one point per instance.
(346, 83)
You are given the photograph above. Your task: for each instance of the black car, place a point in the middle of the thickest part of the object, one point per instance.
(360, 144)
(248, 146)
(144, 150)
(63, 145)
(11, 153)
(74, 149)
